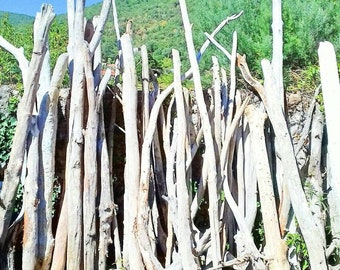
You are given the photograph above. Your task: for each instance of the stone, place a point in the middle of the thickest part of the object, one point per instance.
(294, 99)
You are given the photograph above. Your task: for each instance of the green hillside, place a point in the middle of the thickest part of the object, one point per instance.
(158, 25)
(17, 19)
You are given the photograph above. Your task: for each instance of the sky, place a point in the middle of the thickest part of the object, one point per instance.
(31, 7)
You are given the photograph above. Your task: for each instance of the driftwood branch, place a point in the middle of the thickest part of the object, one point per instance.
(331, 91)
(131, 249)
(275, 112)
(210, 155)
(18, 53)
(276, 248)
(13, 172)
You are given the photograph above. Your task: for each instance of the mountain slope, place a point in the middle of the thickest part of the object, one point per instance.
(17, 19)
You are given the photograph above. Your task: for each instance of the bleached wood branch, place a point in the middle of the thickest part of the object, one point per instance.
(30, 252)
(145, 83)
(115, 20)
(232, 90)
(18, 53)
(184, 232)
(48, 143)
(291, 176)
(217, 106)
(276, 248)
(25, 108)
(90, 166)
(101, 88)
(277, 59)
(131, 249)
(210, 155)
(106, 5)
(218, 45)
(314, 182)
(331, 91)
(74, 151)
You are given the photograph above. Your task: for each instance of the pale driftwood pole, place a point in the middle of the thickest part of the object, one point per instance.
(291, 176)
(314, 191)
(331, 92)
(277, 58)
(131, 252)
(145, 84)
(106, 204)
(25, 108)
(275, 248)
(74, 155)
(210, 153)
(184, 232)
(90, 167)
(31, 202)
(100, 24)
(48, 143)
(217, 106)
(19, 55)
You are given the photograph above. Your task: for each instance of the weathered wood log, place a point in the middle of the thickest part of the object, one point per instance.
(331, 91)
(60, 248)
(74, 154)
(277, 58)
(31, 202)
(48, 143)
(276, 248)
(217, 107)
(90, 168)
(184, 220)
(286, 152)
(25, 108)
(210, 155)
(131, 249)
(145, 83)
(19, 55)
(314, 182)
(106, 204)
(100, 24)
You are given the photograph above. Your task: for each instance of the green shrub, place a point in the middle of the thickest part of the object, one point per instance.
(7, 128)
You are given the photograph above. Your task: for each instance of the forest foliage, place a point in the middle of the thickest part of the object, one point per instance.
(156, 24)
